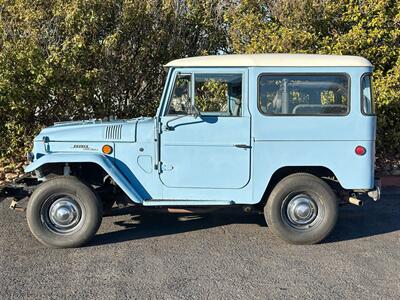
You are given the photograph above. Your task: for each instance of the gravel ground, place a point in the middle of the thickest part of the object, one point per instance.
(224, 255)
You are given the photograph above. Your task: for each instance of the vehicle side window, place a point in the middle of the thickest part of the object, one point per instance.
(286, 94)
(368, 105)
(218, 94)
(180, 98)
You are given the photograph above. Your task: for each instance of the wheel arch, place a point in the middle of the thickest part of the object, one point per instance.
(99, 160)
(319, 171)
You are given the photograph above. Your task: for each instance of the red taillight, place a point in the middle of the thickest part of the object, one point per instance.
(360, 150)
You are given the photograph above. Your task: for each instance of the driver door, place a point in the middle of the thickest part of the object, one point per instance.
(212, 150)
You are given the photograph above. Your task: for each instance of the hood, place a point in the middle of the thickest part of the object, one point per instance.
(95, 130)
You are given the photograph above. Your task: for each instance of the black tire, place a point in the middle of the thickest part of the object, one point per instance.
(301, 209)
(64, 212)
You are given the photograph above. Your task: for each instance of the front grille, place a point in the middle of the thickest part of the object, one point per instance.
(113, 132)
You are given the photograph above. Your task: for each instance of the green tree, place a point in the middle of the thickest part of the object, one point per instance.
(369, 28)
(76, 59)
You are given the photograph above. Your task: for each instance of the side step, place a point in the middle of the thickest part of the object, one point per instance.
(171, 203)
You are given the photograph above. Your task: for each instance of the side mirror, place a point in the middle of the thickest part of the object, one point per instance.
(190, 109)
(194, 111)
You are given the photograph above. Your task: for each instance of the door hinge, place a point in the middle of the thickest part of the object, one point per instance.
(166, 167)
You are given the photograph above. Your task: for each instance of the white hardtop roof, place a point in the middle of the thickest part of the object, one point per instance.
(271, 60)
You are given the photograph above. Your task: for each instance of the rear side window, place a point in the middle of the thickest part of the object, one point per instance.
(367, 102)
(303, 94)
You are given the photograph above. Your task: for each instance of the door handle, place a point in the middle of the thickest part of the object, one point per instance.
(243, 146)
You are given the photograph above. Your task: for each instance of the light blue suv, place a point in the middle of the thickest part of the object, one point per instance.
(293, 135)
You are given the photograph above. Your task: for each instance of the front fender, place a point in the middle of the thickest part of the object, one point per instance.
(98, 159)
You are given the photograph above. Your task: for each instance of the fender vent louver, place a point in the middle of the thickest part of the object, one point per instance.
(113, 132)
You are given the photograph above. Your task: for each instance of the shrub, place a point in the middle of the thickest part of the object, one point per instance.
(76, 59)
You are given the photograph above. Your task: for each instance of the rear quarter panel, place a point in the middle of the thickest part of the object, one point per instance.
(329, 141)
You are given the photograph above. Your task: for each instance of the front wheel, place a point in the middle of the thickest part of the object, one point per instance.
(301, 209)
(64, 212)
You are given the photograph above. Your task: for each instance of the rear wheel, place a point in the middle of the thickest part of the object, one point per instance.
(301, 209)
(64, 212)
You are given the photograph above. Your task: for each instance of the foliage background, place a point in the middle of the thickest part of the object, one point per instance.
(78, 59)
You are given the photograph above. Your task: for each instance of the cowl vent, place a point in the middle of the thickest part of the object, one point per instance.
(113, 132)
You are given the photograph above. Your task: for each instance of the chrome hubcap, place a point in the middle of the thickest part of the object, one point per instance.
(301, 210)
(64, 215)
